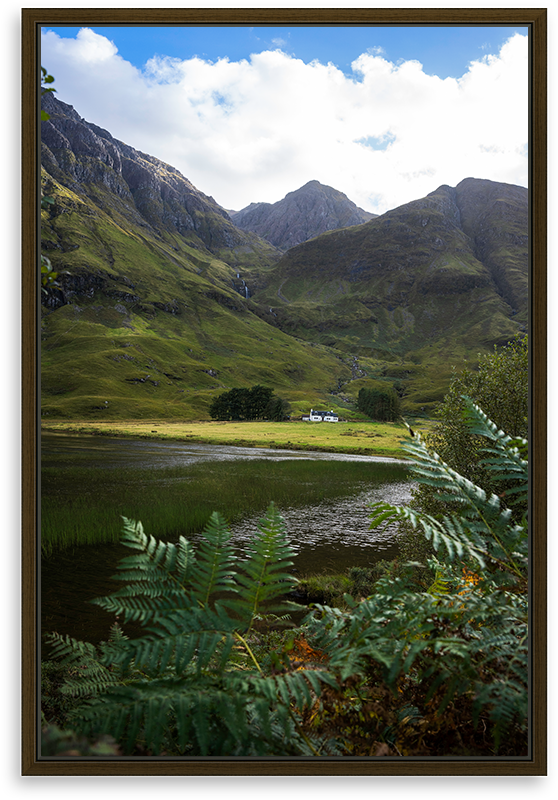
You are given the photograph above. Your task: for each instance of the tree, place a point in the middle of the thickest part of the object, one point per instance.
(258, 401)
(231, 405)
(500, 386)
(278, 409)
(245, 404)
(219, 407)
(382, 405)
(238, 400)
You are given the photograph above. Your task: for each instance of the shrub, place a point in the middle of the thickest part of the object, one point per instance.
(500, 386)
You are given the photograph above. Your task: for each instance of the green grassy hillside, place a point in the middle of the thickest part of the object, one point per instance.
(151, 326)
(407, 292)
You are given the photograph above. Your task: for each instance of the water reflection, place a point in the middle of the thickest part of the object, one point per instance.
(336, 535)
(64, 450)
(329, 536)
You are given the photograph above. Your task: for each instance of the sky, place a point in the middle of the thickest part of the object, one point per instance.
(383, 114)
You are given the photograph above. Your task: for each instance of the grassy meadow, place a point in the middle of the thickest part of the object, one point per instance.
(362, 437)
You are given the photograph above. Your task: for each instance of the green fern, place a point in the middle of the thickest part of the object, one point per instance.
(458, 644)
(441, 584)
(192, 685)
(482, 530)
(213, 571)
(183, 685)
(262, 577)
(507, 455)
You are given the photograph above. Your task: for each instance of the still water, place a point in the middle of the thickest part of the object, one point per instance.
(330, 536)
(104, 452)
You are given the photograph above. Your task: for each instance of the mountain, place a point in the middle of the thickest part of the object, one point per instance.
(416, 290)
(151, 317)
(142, 189)
(301, 215)
(163, 302)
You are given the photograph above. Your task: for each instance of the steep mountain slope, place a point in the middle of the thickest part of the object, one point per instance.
(309, 211)
(163, 302)
(142, 189)
(416, 290)
(151, 319)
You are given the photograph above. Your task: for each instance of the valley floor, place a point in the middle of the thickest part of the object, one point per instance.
(362, 437)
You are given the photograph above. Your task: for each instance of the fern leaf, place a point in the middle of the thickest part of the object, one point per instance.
(440, 586)
(506, 454)
(213, 571)
(262, 578)
(160, 571)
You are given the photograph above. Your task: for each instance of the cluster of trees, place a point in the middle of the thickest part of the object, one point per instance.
(258, 402)
(381, 404)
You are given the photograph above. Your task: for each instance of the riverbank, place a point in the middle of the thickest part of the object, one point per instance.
(359, 438)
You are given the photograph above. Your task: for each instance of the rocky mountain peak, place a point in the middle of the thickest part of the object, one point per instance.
(302, 214)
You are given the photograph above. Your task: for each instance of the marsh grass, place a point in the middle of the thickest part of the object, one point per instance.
(84, 505)
(328, 588)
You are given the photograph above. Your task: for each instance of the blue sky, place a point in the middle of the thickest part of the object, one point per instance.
(384, 114)
(443, 51)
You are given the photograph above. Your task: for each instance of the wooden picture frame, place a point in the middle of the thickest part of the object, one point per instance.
(32, 763)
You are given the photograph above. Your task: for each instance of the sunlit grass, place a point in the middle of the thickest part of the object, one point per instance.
(362, 437)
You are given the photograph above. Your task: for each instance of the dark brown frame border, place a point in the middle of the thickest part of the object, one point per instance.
(32, 19)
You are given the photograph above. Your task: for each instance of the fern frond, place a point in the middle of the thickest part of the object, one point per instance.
(511, 448)
(86, 674)
(69, 650)
(213, 571)
(481, 530)
(159, 571)
(262, 576)
(448, 532)
(440, 585)
(507, 456)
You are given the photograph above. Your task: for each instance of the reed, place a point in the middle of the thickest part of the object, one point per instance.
(84, 505)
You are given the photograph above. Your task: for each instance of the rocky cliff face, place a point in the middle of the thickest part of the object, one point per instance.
(301, 215)
(80, 154)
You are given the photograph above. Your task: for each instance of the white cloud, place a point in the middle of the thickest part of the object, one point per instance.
(255, 129)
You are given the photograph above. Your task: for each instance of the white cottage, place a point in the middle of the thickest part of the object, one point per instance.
(323, 416)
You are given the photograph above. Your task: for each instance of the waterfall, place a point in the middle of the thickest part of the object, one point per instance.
(244, 289)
